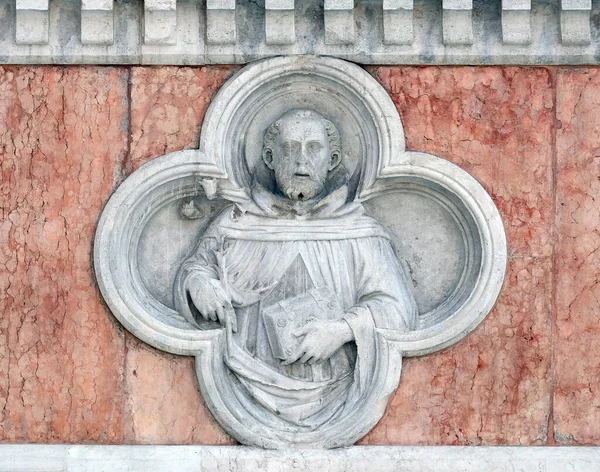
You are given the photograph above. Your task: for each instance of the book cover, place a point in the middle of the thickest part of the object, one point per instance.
(285, 317)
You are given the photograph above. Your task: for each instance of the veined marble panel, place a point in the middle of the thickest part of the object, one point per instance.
(28, 458)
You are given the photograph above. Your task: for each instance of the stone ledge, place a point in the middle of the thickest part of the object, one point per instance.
(64, 458)
(194, 32)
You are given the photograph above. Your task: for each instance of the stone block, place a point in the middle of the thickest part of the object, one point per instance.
(398, 5)
(495, 124)
(577, 336)
(457, 4)
(339, 21)
(32, 22)
(221, 22)
(516, 21)
(90, 458)
(576, 4)
(279, 4)
(97, 27)
(575, 28)
(160, 22)
(167, 108)
(93, 5)
(516, 26)
(398, 22)
(280, 26)
(457, 26)
(62, 141)
(97, 23)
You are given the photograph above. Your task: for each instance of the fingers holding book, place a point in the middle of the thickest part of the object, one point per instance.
(320, 340)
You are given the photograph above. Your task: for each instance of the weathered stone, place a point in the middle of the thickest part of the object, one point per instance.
(167, 108)
(494, 387)
(577, 391)
(305, 262)
(62, 140)
(495, 123)
(81, 458)
(163, 405)
(366, 32)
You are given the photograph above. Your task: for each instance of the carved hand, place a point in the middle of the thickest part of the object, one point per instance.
(321, 340)
(211, 300)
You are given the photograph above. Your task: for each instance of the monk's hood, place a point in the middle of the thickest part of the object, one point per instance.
(271, 218)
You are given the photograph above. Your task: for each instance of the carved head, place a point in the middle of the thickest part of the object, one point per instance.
(301, 148)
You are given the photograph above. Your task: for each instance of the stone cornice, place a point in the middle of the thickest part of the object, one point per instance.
(364, 31)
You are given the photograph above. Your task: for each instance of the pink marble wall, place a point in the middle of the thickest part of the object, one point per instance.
(527, 375)
(495, 386)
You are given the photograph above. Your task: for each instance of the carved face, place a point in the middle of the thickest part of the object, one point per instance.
(301, 157)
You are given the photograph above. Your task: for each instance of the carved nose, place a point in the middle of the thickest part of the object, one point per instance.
(302, 157)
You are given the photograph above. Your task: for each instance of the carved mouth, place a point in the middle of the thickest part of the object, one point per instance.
(301, 174)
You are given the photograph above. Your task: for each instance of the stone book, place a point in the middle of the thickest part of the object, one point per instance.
(285, 317)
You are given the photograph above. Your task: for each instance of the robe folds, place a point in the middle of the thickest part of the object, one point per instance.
(272, 250)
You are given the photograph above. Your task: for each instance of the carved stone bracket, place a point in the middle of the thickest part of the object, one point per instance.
(444, 226)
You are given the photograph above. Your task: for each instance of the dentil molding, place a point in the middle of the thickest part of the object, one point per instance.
(193, 32)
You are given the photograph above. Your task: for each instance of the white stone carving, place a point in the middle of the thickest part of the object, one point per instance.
(160, 22)
(280, 22)
(32, 21)
(575, 26)
(236, 32)
(300, 253)
(458, 22)
(516, 21)
(87, 458)
(398, 21)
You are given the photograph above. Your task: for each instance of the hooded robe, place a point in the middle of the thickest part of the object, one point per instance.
(276, 250)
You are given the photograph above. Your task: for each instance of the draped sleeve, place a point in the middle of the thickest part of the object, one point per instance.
(384, 300)
(204, 262)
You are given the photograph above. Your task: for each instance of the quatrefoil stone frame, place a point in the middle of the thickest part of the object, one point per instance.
(447, 228)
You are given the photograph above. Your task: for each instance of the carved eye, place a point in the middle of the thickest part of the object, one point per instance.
(289, 148)
(314, 147)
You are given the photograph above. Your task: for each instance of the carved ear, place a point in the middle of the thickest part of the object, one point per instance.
(267, 156)
(336, 158)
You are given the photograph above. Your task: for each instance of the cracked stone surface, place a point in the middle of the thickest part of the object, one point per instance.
(494, 386)
(167, 108)
(62, 138)
(163, 404)
(68, 373)
(577, 337)
(496, 123)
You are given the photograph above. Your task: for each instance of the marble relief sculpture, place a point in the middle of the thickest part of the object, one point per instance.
(300, 278)
(300, 253)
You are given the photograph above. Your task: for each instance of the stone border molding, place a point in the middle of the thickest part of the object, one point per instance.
(65, 458)
(236, 32)
(230, 144)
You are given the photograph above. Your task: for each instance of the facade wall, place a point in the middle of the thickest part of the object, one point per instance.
(69, 373)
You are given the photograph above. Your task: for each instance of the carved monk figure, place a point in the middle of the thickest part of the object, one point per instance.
(301, 278)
